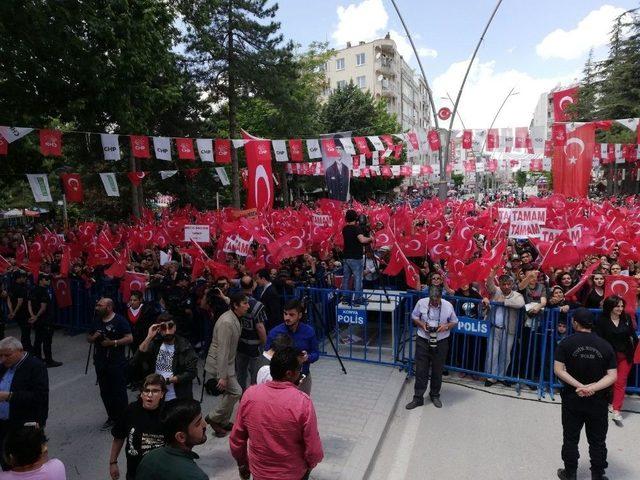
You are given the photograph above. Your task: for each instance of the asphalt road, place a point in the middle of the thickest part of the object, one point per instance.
(481, 435)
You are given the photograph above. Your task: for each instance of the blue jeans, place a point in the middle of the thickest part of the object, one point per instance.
(353, 267)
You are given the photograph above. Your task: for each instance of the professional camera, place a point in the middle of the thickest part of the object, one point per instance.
(433, 336)
(363, 223)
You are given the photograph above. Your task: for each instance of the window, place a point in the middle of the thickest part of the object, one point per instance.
(361, 81)
(360, 59)
(340, 64)
(341, 84)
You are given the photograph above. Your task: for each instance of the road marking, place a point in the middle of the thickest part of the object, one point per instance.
(404, 447)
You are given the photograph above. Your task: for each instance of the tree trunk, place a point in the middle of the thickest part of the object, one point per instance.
(135, 199)
(235, 177)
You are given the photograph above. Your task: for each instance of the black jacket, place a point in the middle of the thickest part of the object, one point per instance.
(30, 392)
(184, 365)
(146, 318)
(270, 298)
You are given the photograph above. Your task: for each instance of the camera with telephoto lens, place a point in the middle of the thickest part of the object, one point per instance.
(363, 223)
(433, 336)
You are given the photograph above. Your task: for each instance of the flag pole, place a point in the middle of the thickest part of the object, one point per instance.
(455, 105)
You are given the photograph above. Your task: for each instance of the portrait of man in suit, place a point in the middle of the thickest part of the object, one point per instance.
(337, 172)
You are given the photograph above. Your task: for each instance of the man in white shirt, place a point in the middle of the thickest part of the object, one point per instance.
(434, 319)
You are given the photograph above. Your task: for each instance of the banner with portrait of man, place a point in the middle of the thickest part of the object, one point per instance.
(337, 165)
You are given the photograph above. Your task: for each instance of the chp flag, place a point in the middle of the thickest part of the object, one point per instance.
(39, 184)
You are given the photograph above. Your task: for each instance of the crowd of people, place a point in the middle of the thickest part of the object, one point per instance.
(237, 312)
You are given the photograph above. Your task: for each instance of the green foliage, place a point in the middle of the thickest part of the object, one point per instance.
(457, 179)
(521, 178)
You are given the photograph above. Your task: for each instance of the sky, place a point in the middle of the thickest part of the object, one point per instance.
(532, 46)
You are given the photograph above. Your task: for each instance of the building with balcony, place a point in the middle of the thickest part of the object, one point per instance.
(378, 68)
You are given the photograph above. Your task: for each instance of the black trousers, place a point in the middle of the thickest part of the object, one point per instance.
(429, 358)
(112, 380)
(592, 414)
(43, 340)
(25, 335)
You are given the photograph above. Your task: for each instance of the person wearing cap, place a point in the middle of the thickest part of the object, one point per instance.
(434, 319)
(586, 365)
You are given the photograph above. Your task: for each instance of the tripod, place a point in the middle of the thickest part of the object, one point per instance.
(306, 300)
(369, 249)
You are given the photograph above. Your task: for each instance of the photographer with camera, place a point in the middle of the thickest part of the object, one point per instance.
(109, 334)
(434, 318)
(353, 254)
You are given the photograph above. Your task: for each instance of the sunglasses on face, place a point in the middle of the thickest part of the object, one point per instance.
(167, 326)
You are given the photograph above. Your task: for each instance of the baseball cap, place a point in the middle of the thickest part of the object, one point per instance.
(584, 317)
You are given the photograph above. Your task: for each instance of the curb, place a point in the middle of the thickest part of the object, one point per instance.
(360, 461)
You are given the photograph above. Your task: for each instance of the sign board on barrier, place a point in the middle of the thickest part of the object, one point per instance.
(473, 326)
(351, 316)
(197, 233)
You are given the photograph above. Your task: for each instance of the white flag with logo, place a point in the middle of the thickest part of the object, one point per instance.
(630, 123)
(162, 148)
(617, 148)
(546, 164)
(164, 174)
(205, 149)
(506, 139)
(347, 144)
(313, 148)
(110, 184)
(222, 175)
(39, 184)
(376, 142)
(478, 140)
(538, 136)
(110, 146)
(280, 149)
(12, 134)
(238, 142)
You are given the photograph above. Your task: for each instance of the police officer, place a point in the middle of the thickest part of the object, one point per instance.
(586, 364)
(434, 318)
(40, 308)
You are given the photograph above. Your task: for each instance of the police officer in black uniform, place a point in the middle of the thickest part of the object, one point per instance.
(40, 308)
(586, 364)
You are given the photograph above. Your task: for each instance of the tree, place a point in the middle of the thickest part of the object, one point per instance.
(235, 52)
(351, 109)
(93, 66)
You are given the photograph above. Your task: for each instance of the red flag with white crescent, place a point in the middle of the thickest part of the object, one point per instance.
(625, 287)
(136, 177)
(132, 281)
(561, 100)
(72, 187)
(572, 163)
(260, 179)
(62, 292)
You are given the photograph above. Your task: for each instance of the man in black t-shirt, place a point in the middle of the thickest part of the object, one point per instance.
(18, 311)
(353, 254)
(41, 319)
(586, 364)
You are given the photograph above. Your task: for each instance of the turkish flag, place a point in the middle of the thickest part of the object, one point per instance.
(51, 143)
(625, 287)
(362, 146)
(572, 163)
(493, 139)
(522, 133)
(136, 177)
(65, 261)
(415, 246)
(295, 150)
(467, 139)
(119, 267)
(571, 293)
(413, 140)
(559, 134)
(388, 140)
(561, 99)
(185, 149)
(223, 150)
(4, 146)
(548, 147)
(72, 187)
(329, 147)
(479, 270)
(140, 146)
(434, 140)
(260, 178)
(4, 265)
(561, 253)
(384, 237)
(62, 291)
(130, 282)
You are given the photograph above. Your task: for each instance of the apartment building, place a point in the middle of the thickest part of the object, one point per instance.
(377, 67)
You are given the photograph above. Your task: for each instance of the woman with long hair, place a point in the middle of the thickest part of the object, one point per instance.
(595, 297)
(616, 327)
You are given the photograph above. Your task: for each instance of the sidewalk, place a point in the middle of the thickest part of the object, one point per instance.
(353, 411)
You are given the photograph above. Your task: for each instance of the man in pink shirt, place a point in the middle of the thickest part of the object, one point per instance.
(280, 422)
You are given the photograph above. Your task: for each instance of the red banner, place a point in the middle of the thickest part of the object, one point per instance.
(572, 163)
(260, 178)
(295, 150)
(185, 149)
(51, 143)
(72, 187)
(223, 150)
(140, 146)
(561, 100)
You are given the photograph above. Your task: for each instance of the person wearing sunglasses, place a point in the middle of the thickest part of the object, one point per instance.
(167, 354)
(140, 426)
